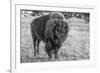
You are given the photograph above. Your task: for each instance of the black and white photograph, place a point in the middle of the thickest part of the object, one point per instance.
(52, 36)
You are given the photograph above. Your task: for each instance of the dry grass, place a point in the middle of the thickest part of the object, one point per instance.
(76, 46)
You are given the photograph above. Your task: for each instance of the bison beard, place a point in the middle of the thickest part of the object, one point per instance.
(52, 29)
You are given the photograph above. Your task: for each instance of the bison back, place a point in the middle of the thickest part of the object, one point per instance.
(38, 26)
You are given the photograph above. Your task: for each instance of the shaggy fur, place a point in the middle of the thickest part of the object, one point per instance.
(52, 29)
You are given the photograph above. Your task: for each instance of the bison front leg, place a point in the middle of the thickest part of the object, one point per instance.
(56, 53)
(50, 54)
(48, 48)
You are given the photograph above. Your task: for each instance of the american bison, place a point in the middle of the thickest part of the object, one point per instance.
(52, 29)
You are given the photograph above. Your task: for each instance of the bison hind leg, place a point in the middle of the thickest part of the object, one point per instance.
(38, 42)
(34, 37)
(34, 42)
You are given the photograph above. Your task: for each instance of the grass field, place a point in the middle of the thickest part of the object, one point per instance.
(76, 46)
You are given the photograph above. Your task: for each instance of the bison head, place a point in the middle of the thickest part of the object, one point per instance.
(60, 31)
